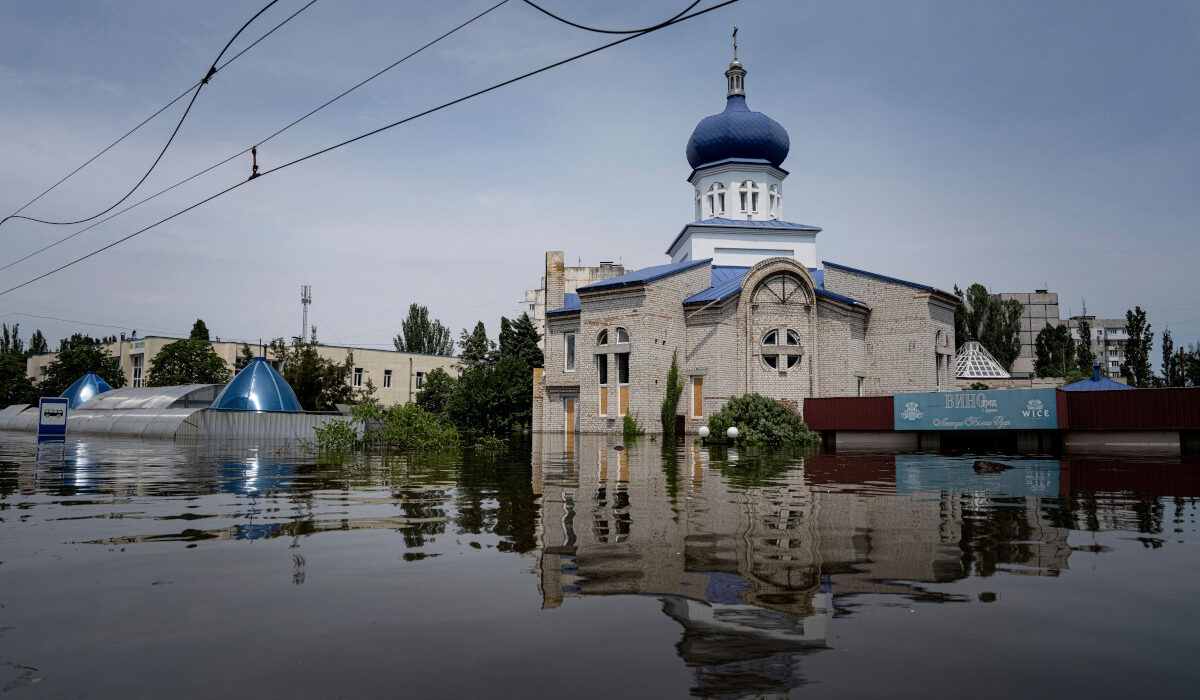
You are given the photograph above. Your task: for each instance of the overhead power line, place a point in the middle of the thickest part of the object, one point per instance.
(652, 27)
(194, 89)
(243, 152)
(373, 132)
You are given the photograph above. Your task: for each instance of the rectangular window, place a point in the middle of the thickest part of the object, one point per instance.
(358, 372)
(697, 397)
(569, 352)
(623, 383)
(860, 385)
(137, 370)
(602, 374)
(387, 378)
(420, 379)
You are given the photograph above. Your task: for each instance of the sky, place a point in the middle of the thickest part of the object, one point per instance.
(1022, 145)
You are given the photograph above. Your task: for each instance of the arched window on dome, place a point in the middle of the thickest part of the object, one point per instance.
(775, 201)
(749, 197)
(715, 200)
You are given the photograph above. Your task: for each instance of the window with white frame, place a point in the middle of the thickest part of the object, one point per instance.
(622, 335)
(387, 379)
(748, 196)
(358, 373)
(420, 379)
(781, 352)
(715, 200)
(602, 337)
(138, 379)
(569, 352)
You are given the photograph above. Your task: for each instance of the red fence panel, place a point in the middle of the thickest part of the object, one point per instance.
(1142, 409)
(849, 413)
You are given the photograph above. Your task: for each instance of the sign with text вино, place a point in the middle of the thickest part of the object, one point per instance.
(998, 409)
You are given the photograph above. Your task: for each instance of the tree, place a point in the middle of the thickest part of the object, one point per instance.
(475, 350)
(492, 398)
(78, 340)
(15, 387)
(10, 341)
(437, 391)
(1136, 367)
(1055, 352)
(670, 401)
(191, 361)
(1172, 363)
(1084, 357)
(520, 338)
(994, 323)
(76, 361)
(320, 384)
(420, 334)
(199, 331)
(1191, 365)
(244, 357)
(38, 344)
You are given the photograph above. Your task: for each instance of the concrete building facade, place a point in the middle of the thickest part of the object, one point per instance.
(742, 306)
(565, 280)
(396, 376)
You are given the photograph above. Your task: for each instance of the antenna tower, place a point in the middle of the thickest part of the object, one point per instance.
(305, 300)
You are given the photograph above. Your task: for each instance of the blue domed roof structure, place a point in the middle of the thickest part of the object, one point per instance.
(85, 388)
(258, 387)
(737, 133)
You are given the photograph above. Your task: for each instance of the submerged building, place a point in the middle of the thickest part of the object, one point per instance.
(744, 304)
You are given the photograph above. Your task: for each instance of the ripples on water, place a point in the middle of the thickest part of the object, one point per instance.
(146, 569)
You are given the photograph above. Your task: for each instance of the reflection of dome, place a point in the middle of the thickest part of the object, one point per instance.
(737, 132)
(258, 387)
(85, 388)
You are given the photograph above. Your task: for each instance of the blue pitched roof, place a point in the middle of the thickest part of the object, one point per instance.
(716, 222)
(570, 305)
(727, 282)
(1096, 383)
(914, 285)
(85, 388)
(646, 274)
(258, 387)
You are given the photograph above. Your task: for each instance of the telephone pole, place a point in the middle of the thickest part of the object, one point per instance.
(305, 300)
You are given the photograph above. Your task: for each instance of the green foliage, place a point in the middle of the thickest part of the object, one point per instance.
(996, 324)
(670, 400)
(475, 350)
(336, 436)
(520, 338)
(188, 362)
(38, 344)
(406, 426)
(1056, 351)
(78, 340)
(1191, 365)
(1076, 375)
(437, 390)
(762, 421)
(244, 357)
(199, 331)
(979, 386)
(631, 427)
(320, 384)
(493, 399)
(1084, 357)
(1172, 362)
(10, 341)
(1136, 367)
(15, 387)
(418, 333)
(76, 361)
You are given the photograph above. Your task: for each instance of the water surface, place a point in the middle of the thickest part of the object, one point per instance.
(148, 569)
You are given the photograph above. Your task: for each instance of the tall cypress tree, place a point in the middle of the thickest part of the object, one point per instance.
(1136, 367)
(1084, 356)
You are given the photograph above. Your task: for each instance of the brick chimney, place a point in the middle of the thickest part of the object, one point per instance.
(556, 280)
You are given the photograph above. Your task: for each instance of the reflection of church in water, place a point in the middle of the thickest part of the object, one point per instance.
(754, 560)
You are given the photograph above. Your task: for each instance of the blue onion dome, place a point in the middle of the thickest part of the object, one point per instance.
(737, 132)
(85, 388)
(258, 387)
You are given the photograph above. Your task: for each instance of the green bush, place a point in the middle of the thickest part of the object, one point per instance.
(631, 427)
(671, 398)
(336, 436)
(399, 427)
(762, 421)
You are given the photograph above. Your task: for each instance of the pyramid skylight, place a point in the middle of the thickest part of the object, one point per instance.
(973, 361)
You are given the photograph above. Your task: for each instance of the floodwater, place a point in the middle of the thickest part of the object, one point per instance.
(150, 570)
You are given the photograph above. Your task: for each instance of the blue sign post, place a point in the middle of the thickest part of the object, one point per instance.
(52, 421)
(1000, 409)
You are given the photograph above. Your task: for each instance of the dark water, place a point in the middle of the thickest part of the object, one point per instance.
(146, 570)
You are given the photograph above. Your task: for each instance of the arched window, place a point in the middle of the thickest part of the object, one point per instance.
(784, 355)
(622, 335)
(715, 200)
(780, 289)
(748, 196)
(775, 201)
(602, 339)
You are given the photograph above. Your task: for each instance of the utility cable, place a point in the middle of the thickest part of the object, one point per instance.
(263, 141)
(373, 132)
(652, 27)
(194, 89)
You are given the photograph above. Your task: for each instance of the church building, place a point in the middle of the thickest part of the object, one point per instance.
(744, 304)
